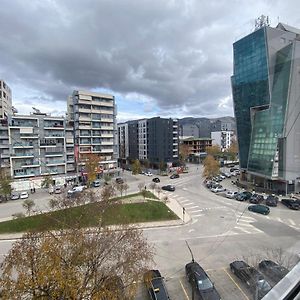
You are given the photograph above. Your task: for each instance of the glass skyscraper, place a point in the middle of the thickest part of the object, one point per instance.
(266, 95)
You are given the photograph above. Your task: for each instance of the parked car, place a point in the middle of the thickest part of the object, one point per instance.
(217, 179)
(272, 200)
(256, 199)
(155, 285)
(156, 180)
(218, 189)
(169, 187)
(227, 174)
(75, 190)
(272, 270)
(231, 194)
(119, 180)
(259, 208)
(201, 282)
(96, 183)
(15, 196)
(148, 173)
(222, 176)
(57, 190)
(254, 279)
(173, 176)
(243, 196)
(291, 203)
(24, 195)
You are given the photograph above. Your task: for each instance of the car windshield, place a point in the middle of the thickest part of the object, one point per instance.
(204, 284)
(263, 285)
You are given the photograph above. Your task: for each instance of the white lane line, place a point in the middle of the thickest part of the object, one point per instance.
(243, 229)
(292, 222)
(188, 204)
(193, 211)
(193, 207)
(245, 224)
(184, 201)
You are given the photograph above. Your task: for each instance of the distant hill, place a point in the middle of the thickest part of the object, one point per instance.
(191, 120)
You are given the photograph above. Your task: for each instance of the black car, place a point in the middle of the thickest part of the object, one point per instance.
(290, 203)
(254, 279)
(243, 196)
(272, 270)
(200, 282)
(259, 208)
(272, 201)
(119, 180)
(173, 176)
(169, 187)
(256, 199)
(156, 180)
(155, 285)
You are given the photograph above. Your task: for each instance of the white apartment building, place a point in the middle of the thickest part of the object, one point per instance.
(39, 144)
(94, 118)
(123, 141)
(142, 139)
(5, 100)
(222, 139)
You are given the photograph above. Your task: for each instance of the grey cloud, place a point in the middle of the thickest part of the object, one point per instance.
(178, 53)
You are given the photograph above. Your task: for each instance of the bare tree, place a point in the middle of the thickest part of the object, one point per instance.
(28, 204)
(152, 186)
(122, 187)
(79, 264)
(141, 186)
(158, 190)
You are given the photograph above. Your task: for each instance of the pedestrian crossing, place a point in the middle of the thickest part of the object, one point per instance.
(243, 223)
(289, 222)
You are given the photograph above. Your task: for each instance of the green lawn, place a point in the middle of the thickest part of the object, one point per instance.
(89, 214)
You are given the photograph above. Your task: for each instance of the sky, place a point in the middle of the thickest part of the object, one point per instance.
(167, 58)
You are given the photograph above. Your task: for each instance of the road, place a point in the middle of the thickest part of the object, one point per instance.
(221, 230)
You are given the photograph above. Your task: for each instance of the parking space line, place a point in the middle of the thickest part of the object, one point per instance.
(236, 284)
(185, 293)
(193, 207)
(193, 211)
(188, 204)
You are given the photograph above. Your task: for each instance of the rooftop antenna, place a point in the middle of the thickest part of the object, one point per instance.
(261, 22)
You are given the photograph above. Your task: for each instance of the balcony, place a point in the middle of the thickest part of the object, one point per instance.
(107, 127)
(22, 145)
(106, 151)
(15, 124)
(29, 136)
(54, 154)
(85, 126)
(21, 155)
(107, 135)
(55, 162)
(4, 136)
(53, 126)
(25, 174)
(4, 155)
(4, 145)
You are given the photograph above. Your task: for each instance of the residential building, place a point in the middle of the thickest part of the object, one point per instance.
(123, 141)
(154, 139)
(94, 118)
(265, 88)
(38, 146)
(5, 100)
(223, 139)
(197, 145)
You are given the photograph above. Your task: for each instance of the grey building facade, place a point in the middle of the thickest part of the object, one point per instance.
(265, 88)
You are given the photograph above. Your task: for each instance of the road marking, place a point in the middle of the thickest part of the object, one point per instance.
(193, 207)
(193, 211)
(243, 229)
(292, 222)
(184, 201)
(188, 204)
(185, 293)
(236, 284)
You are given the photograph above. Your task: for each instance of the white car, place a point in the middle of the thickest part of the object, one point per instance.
(24, 195)
(148, 174)
(231, 194)
(218, 189)
(76, 189)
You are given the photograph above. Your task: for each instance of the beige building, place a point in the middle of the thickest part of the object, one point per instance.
(5, 100)
(94, 118)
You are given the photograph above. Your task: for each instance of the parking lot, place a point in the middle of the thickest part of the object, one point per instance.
(228, 286)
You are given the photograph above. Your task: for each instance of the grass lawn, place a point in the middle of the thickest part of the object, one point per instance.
(88, 215)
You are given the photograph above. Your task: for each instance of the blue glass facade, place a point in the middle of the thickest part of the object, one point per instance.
(250, 85)
(268, 124)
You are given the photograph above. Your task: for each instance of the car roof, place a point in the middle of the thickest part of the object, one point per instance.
(197, 269)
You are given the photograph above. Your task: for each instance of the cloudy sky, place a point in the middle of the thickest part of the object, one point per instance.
(158, 57)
